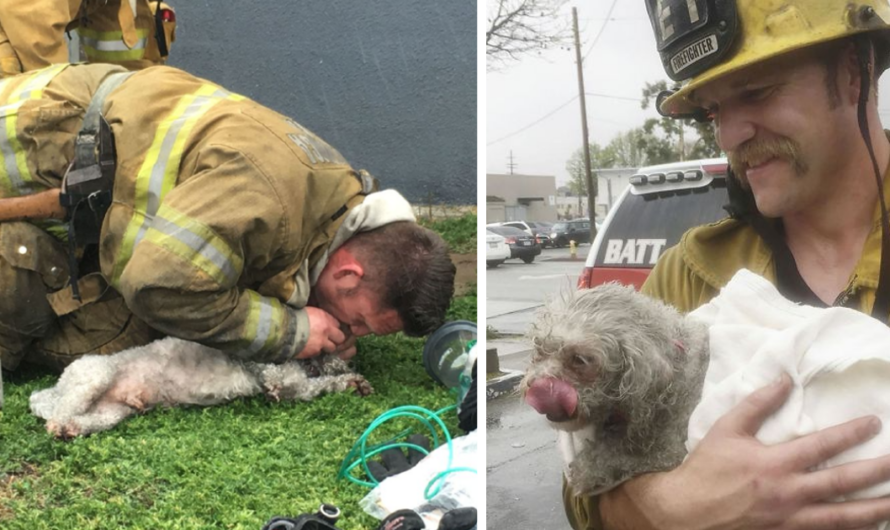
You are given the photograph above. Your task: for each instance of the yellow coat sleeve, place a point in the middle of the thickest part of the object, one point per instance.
(214, 239)
(583, 512)
(36, 30)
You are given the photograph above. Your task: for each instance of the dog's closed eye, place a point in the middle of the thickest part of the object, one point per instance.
(580, 360)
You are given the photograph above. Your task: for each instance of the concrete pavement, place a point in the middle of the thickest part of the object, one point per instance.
(513, 352)
(516, 289)
(524, 473)
(524, 470)
(513, 355)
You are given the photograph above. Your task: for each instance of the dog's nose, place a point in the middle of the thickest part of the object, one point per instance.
(552, 397)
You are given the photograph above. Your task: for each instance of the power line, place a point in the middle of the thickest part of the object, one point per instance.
(551, 113)
(554, 111)
(623, 98)
(614, 19)
(602, 28)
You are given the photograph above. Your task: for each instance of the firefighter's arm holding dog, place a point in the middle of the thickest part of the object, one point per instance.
(732, 481)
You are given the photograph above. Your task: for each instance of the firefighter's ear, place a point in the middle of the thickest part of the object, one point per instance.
(349, 273)
(346, 269)
(846, 75)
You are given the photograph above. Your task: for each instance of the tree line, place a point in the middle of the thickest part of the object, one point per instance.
(658, 141)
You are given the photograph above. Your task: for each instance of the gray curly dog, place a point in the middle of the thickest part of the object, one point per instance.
(620, 373)
(97, 392)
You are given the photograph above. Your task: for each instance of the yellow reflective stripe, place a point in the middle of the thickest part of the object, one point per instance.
(262, 329)
(110, 45)
(160, 169)
(56, 228)
(15, 177)
(111, 41)
(108, 35)
(32, 87)
(10, 182)
(196, 243)
(94, 55)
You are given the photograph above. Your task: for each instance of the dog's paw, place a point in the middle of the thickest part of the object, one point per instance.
(135, 402)
(362, 386)
(54, 429)
(272, 392)
(63, 430)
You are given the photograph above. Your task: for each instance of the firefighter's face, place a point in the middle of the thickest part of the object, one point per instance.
(361, 312)
(786, 133)
(341, 292)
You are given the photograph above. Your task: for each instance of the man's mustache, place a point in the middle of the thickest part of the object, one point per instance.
(755, 152)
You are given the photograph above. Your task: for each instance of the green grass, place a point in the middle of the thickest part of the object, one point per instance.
(229, 466)
(458, 232)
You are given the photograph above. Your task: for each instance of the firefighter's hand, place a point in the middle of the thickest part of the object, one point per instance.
(325, 335)
(346, 350)
(732, 481)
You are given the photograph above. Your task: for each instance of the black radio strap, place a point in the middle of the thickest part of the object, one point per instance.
(87, 189)
(881, 308)
(788, 279)
(160, 34)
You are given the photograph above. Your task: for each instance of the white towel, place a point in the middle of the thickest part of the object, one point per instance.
(838, 358)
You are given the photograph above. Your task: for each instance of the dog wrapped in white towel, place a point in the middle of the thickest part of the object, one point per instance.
(632, 386)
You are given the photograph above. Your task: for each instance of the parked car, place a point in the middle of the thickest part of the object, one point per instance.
(543, 234)
(661, 203)
(577, 230)
(540, 230)
(522, 245)
(497, 250)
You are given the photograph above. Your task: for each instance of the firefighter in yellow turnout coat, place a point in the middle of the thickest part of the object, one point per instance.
(224, 215)
(32, 32)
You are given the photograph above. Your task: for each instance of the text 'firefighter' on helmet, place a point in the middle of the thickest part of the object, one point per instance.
(703, 40)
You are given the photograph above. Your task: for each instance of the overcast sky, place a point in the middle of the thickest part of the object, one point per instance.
(620, 59)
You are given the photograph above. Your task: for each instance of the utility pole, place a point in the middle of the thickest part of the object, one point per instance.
(591, 188)
(580, 203)
(682, 143)
(511, 164)
(609, 189)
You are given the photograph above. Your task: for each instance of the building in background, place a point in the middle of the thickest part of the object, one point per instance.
(611, 183)
(520, 198)
(536, 198)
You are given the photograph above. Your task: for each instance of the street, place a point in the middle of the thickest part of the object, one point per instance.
(516, 289)
(524, 470)
(524, 474)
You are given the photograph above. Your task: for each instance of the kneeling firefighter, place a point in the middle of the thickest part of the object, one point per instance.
(198, 213)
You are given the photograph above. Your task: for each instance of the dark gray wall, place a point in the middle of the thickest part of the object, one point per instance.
(391, 84)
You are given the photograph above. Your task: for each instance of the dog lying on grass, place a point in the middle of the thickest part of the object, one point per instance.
(97, 392)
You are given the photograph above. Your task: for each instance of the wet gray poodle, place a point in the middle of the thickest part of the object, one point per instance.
(97, 392)
(620, 374)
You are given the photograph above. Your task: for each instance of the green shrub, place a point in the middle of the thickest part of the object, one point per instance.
(458, 232)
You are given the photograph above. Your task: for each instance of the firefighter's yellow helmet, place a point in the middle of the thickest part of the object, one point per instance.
(703, 40)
